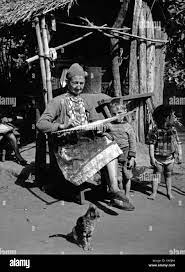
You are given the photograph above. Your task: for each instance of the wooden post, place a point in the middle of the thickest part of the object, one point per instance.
(133, 64)
(42, 62)
(40, 154)
(48, 79)
(53, 23)
(150, 70)
(160, 53)
(133, 70)
(142, 72)
(157, 33)
(47, 61)
(142, 51)
(162, 66)
(116, 50)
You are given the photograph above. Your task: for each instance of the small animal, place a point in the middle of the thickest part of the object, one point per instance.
(82, 233)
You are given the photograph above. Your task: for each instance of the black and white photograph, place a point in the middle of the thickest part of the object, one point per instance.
(92, 131)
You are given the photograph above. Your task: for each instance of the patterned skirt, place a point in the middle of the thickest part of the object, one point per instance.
(79, 157)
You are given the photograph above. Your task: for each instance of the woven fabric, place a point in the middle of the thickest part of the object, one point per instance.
(76, 109)
(81, 160)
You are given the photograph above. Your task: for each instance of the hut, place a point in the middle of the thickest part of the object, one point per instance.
(120, 43)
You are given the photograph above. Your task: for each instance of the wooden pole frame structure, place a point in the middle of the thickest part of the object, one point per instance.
(42, 63)
(43, 46)
(46, 56)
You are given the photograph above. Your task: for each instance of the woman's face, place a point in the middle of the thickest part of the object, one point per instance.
(76, 85)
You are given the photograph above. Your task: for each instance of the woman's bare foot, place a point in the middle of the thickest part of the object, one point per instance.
(152, 196)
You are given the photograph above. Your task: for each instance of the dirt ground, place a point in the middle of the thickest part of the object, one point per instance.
(29, 216)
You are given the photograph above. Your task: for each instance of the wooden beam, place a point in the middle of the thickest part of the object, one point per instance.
(117, 31)
(61, 46)
(126, 98)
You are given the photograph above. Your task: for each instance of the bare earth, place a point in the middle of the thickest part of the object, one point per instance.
(29, 216)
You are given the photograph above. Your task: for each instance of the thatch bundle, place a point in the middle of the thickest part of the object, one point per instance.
(13, 11)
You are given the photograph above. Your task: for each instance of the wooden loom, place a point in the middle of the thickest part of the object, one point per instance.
(94, 125)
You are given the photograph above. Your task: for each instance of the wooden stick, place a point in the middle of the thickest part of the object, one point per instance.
(126, 98)
(117, 31)
(95, 27)
(47, 61)
(95, 125)
(42, 64)
(141, 38)
(61, 46)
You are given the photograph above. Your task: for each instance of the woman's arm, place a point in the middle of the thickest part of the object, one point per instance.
(53, 110)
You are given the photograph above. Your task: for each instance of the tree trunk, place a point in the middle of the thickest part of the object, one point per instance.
(115, 49)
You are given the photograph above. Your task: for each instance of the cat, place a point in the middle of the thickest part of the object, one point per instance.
(82, 232)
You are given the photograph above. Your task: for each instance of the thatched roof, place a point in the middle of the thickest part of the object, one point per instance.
(13, 11)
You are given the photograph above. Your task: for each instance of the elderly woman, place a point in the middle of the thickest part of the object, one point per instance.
(80, 154)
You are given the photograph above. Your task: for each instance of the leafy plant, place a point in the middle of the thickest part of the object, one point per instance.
(175, 67)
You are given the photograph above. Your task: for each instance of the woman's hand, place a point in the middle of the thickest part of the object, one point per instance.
(70, 124)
